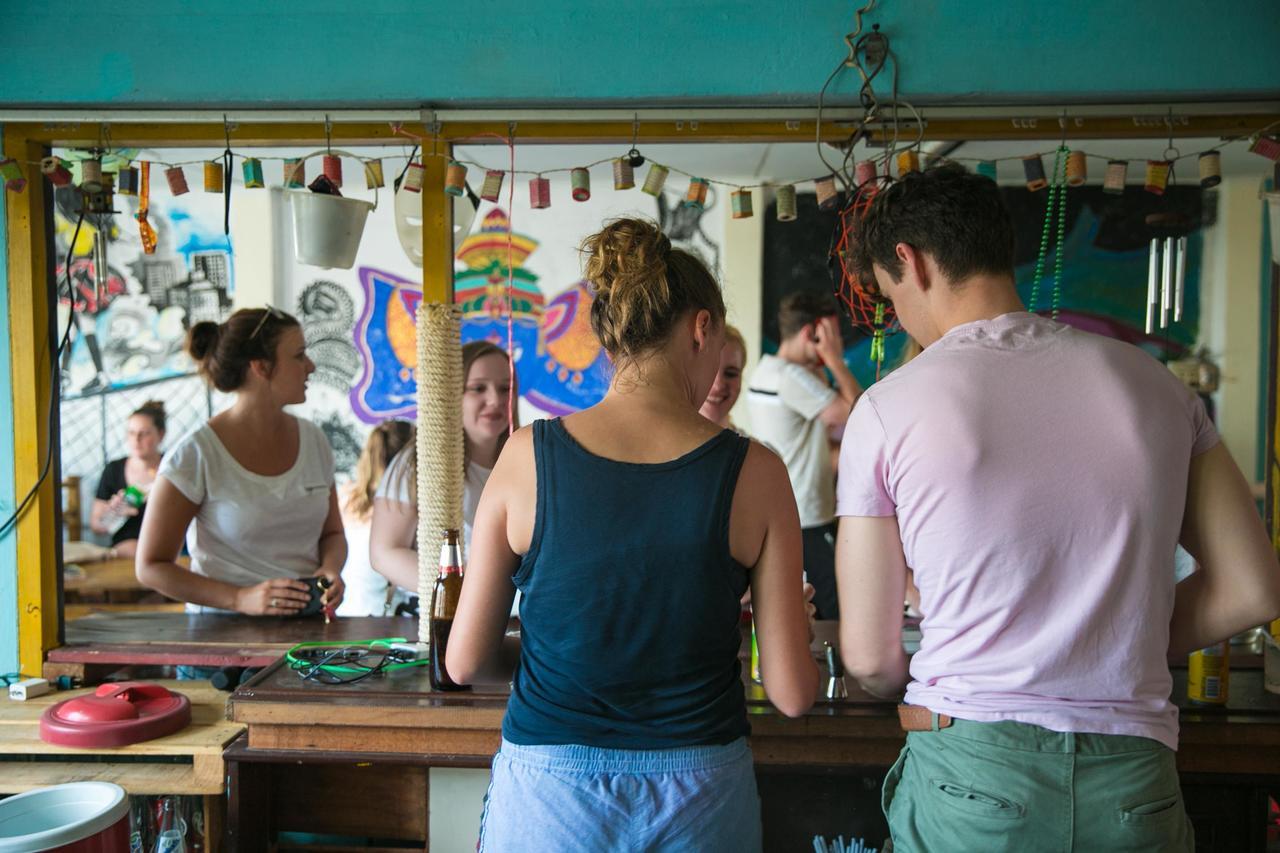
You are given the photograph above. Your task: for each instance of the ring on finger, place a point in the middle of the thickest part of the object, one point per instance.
(274, 603)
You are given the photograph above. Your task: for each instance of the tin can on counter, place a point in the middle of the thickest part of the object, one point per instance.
(1208, 674)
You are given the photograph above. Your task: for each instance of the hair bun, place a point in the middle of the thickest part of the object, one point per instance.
(202, 339)
(153, 405)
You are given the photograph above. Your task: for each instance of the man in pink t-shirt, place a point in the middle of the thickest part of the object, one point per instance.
(1033, 482)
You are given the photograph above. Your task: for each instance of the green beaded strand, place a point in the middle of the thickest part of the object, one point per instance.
(1044, 235)
(1062, 234)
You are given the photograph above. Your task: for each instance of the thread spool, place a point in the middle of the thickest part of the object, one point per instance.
(413, 176)
(177, 180)
(56, 171)
(251, 168)
(127, 181)
(212, 177)
(987, 169)
(492, 185)
(91, 176)
(1077, 169)
(656, 179)
(908, 161)
(373, 178)
(624, 177)
(295, 173)
(864, 171)
(332, 166)
(539, 193)
(825, 190)
(580, 182)
(742, 204)
(11, 171)
(455, 178)
(1157, 176)
(1266, 146)
(1210, 164)
(1033, 169)
(696, 196)
(1113, 182)
(786, 201)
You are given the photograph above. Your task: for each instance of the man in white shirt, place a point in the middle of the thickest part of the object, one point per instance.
(795, 411)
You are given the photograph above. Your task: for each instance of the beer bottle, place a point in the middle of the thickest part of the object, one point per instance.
(444, 604)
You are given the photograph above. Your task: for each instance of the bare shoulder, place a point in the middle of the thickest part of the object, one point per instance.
(765, 467)
(516, 459)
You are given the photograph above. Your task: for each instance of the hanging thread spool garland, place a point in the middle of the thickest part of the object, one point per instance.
(213, 176)
(580, 184)
(373, 178)
(539, 193)
(656, 179)
(127, 181)
(1113, 181)
(623, 175)
(295, 173)
(825, 190)
(91, 176)
(1077, 169)
(1266, 146)
(908, 161)
(696, 196)
(1157, 176)
(56, 171)
(11, 171)
(1210, 164)
(786, 201)
(251, 168)
(177, 180)
(413, 175)
(332, 167)
(492, 187)
(863, 172)
(742, 204)
(987, 169)
(455, 178)
(1033, 169)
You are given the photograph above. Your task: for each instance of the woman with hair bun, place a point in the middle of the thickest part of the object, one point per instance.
(632, 529)
(256, 481)
(117, 511)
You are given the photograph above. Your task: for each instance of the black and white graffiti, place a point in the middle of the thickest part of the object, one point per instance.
(328, 315)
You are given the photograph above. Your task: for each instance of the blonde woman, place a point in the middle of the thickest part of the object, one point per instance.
(728, 383)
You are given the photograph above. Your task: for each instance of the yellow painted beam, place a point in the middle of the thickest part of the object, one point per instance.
(38, 611)
(437, 231)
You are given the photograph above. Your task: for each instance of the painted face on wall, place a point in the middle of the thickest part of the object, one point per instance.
(292, 368)
(727, 385)
(141, 437)
(484, 400)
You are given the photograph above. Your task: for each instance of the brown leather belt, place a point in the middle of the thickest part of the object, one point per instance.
(918, 718)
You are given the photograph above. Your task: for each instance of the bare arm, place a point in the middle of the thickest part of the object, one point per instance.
(333, 552)
(763, 500)
(479, 650)
(871, 576)
(169, 513)
(1238, 585)
(391, 550)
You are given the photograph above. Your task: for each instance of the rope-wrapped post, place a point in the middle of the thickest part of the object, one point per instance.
(440, 443)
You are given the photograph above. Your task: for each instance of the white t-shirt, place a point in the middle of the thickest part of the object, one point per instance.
(785, 400)
(366, 590)
(252, 528)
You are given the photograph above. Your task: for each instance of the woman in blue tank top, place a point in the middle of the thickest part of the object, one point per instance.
(632, 529)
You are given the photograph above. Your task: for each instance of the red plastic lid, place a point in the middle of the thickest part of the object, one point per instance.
(116, 715)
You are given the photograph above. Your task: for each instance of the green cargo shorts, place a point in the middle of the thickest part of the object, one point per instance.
(1014, 786)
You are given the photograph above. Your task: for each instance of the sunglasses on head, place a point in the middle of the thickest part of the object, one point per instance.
(268, 311)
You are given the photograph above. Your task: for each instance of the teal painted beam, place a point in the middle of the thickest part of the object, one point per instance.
(582, 52)
(8, 544)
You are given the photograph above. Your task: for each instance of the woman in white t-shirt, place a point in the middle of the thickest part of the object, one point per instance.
(487, 389)
(366, 589)
(256, 481)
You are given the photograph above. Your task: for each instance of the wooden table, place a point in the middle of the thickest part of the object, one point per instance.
(99, 644)
(186, 762)
(94, 578)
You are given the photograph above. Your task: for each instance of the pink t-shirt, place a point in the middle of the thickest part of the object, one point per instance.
(1039, 476)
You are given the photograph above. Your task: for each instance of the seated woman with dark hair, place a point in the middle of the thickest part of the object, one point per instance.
(256, 481)
(117, 511)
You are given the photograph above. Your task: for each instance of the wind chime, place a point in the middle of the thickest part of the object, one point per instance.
(1167, 254)
(869, 311)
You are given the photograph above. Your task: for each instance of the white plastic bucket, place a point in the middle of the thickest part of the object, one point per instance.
(79, 817)
(327, 228)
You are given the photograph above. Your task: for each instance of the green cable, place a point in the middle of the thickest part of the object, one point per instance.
(295, 662)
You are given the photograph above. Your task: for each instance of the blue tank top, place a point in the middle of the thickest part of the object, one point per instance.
(630, 611)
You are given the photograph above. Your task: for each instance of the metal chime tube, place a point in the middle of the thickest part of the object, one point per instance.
(1179, 278)
(1166, 283)
(1153, 273)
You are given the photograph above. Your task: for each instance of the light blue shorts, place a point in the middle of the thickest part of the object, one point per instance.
(583, 798)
